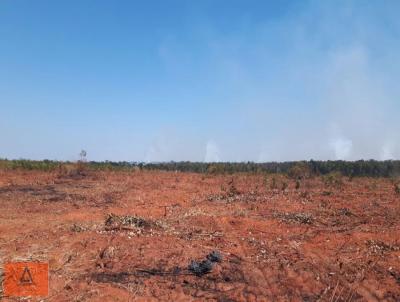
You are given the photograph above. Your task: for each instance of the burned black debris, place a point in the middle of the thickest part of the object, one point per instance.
(200, 268)
(214, 256)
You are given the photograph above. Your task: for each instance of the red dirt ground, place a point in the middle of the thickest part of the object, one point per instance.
(316, 243)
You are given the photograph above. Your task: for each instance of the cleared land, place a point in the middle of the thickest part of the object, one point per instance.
(130, 236)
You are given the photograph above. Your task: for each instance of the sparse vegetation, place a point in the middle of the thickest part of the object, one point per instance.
(333, 179)
(273, 184)
(116, 221)
(232, 190)
(300, 170)
(380, 247)
(23, 164)
(284, 185)
(82, 163)
(303, 218)
(397, 188)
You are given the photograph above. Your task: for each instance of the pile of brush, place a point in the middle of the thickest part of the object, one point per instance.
(125, 222)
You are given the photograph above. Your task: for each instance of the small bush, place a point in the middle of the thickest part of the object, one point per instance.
(333, 179)
(266, 181)
(82, 163)
(70, 170)
(273, 184)
(300, 171)
(232, 190)
(397, 188)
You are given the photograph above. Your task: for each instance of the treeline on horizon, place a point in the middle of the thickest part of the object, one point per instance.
(372, 168)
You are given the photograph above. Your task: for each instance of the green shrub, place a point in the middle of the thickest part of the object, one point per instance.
(333, 179)
(300, 170)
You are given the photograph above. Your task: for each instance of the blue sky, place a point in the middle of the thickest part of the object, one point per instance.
(199, 80)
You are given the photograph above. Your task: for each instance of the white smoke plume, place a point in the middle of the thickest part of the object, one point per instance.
(212, 152)
(342, 148)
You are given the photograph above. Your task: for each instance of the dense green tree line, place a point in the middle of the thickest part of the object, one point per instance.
(349, 168)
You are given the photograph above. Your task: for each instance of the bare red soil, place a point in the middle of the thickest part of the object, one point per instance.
(318, 242)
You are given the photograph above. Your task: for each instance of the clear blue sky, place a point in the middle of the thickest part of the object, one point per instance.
(199, 80)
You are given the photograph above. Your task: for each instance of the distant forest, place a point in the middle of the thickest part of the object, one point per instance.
(372, 168)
